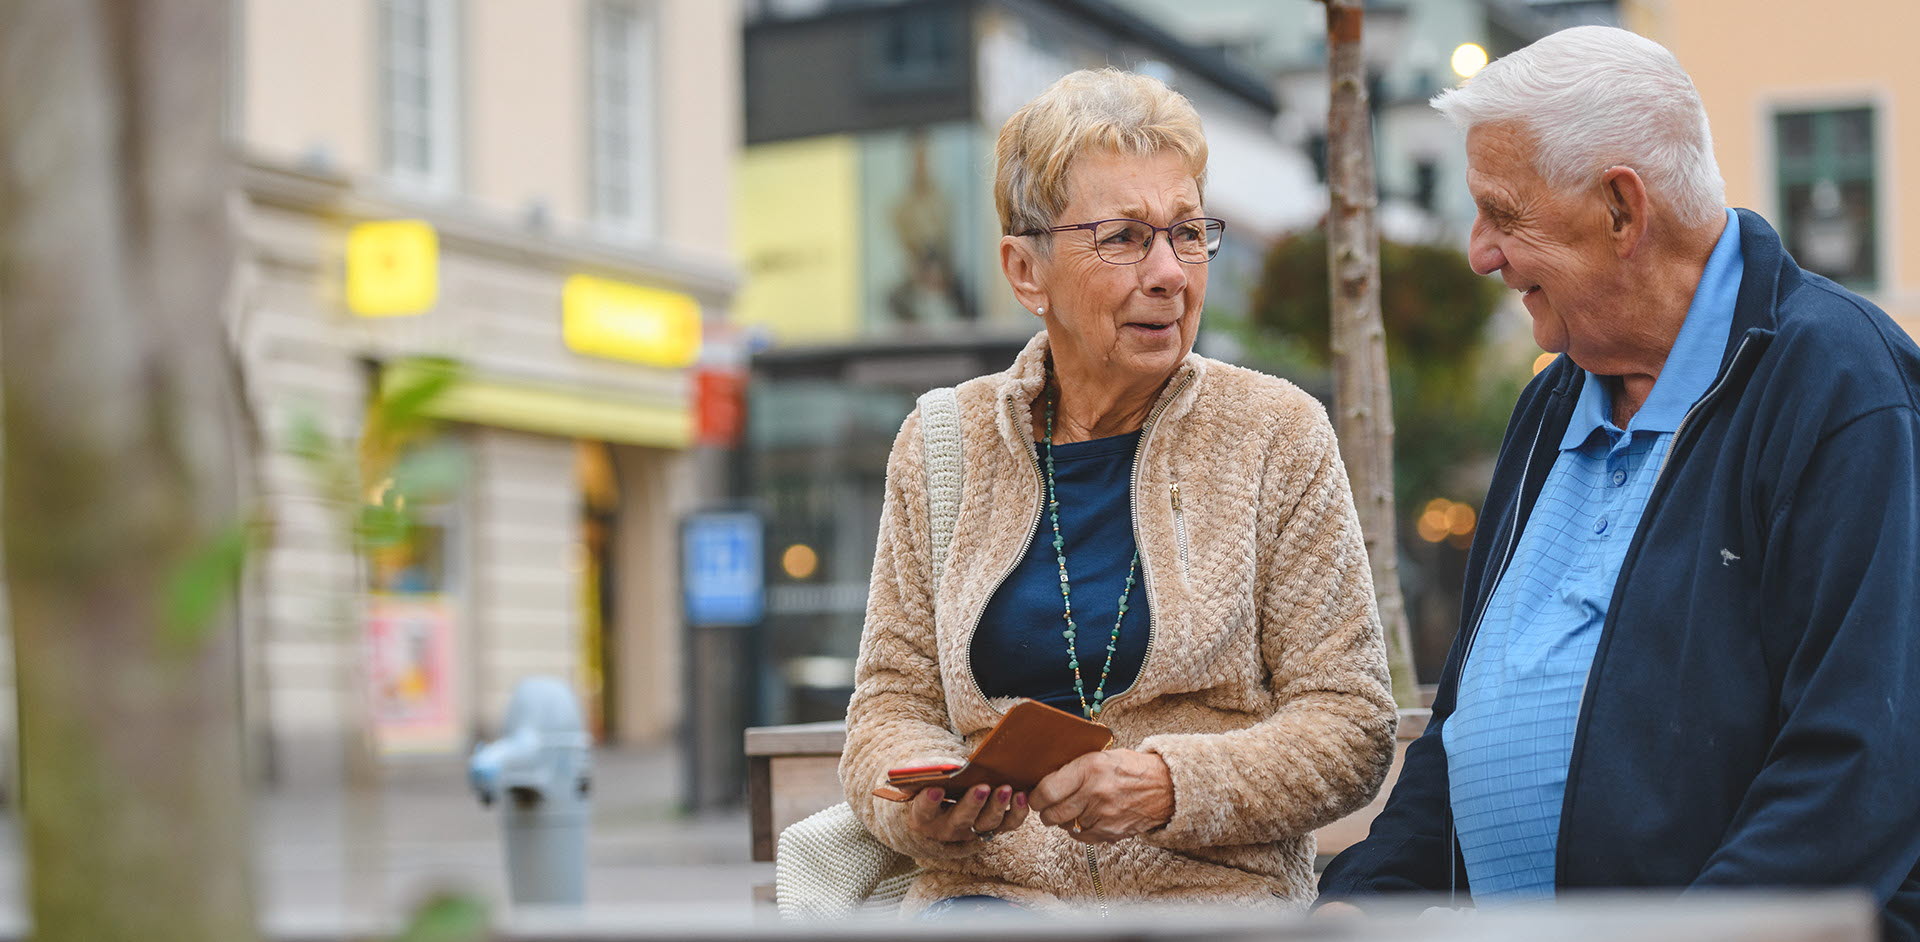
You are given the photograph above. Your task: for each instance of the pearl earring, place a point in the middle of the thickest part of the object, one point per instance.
(1042, 311)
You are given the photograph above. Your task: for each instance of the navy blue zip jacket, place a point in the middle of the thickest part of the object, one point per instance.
(1752, 716)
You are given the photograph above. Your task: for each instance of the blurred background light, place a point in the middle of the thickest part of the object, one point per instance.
(1468, 59)
(800, 561)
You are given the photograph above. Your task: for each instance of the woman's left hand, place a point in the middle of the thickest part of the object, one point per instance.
(1106, 796)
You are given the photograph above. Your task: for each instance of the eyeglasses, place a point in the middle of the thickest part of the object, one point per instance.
(1127, 241)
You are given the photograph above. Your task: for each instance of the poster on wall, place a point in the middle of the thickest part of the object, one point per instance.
(929, 244)
(410, 668)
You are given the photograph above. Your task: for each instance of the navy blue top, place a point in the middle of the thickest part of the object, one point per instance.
(1019, 649)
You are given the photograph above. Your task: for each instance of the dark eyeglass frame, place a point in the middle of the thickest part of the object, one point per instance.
(1219, 227)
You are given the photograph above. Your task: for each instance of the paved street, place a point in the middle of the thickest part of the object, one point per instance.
(436, 836)
(432, 835)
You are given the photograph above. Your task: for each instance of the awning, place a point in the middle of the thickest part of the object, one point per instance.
(551, 410)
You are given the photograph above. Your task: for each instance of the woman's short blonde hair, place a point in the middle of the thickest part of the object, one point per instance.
(1089, 110)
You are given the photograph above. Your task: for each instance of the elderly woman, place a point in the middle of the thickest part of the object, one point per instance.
(1146, 537)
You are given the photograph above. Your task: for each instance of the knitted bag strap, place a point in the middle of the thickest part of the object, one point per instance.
(940, 438)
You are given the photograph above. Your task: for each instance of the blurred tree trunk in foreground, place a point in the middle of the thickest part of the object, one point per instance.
(1363, 391)
(121, 505)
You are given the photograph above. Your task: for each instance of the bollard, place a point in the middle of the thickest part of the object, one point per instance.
(542, 768)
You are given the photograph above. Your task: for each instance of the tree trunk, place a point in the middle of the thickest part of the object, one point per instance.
(121, 509)
(1363, 392)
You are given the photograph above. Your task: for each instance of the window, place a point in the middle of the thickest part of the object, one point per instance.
(1426, 183)
(622, 63)
(419, 93)
(1827, 183)
(916, 50)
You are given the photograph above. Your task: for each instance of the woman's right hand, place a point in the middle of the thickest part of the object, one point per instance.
(980, 814)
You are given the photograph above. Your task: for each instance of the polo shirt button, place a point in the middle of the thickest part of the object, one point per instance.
(1600, 525)
(1619, 478)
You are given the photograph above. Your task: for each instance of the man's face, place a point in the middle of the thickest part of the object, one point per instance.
(1552, 247)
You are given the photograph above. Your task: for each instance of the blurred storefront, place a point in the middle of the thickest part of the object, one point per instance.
(534, 197)
(549, 547)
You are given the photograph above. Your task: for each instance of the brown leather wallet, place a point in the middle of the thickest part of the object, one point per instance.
(1031, 741)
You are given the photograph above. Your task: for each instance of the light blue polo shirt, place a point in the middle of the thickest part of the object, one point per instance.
(1510, 736)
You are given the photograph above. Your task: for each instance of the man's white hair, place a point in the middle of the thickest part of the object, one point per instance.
(1594, 97)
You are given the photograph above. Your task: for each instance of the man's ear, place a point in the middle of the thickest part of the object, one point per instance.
(1628, 206)
(1025, 270)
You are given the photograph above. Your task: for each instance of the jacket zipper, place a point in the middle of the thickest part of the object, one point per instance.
(1712, 393)
(1039, 503)
(1099, 891)
(1146, 572)
(1180, 529)
(1513, 542)
(1506, 559)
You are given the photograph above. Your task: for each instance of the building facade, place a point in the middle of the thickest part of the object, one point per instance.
(560, 171)
(1816, 114)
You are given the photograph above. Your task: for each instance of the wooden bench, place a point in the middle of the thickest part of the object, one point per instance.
(793, 771)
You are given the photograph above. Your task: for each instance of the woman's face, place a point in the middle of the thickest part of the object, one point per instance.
(1133, 322)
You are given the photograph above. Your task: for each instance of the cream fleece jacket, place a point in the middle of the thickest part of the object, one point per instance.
(1265, 682)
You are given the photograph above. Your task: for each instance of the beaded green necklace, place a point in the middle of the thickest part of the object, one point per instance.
(1092, 710)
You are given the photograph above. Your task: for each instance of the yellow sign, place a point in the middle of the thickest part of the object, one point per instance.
(628, 322)
(393, 268)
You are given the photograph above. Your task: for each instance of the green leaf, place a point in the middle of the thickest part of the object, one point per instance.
(430, 473)
(385, 524)
(309, 442)
(202, 584)
(407, 402)
(447, 917)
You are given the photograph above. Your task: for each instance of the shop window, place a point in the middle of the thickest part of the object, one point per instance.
(1828, 185)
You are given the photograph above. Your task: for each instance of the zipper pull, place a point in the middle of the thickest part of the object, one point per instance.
(1175, 489)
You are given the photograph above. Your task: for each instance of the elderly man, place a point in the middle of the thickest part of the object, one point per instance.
(1690, 646)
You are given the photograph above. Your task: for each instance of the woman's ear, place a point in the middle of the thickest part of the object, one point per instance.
(1628, 205)
(1025, 270)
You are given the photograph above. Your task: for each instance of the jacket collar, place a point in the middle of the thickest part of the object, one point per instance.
(1022, 383)
(1770, 275)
